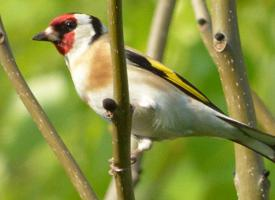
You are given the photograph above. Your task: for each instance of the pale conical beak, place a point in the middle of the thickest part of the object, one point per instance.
(49, 35)
(42, 36)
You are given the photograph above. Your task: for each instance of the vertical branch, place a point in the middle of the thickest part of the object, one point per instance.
(122, 114)
(205, 25)
(159, 28)
(41, 119)
(250, 179)
(263, 115)
(155, 48)
(225, 61)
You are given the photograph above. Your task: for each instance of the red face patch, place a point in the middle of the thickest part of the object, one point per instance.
(66, 43)
(60, 19)
(64, 25)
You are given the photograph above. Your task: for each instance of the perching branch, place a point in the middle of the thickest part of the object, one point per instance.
(122, 115)
(156, 45)
(136, 169)
(225, 49)
(40, 118)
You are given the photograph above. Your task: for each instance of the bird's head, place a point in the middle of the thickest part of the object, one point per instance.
(72, 31)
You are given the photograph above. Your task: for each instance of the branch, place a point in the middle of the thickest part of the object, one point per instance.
(122, 115)
(135, 168)
(204, 24)
(264, 117)
(156, 45)
(40, 118)
(225, 50)
(159, 28)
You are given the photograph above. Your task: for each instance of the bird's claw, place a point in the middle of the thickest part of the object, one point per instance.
(133, 158)
(108, 114)
(115, 169)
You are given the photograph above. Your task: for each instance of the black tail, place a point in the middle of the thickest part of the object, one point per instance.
(254, 139)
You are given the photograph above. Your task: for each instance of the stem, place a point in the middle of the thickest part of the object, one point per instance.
(41, 119)
(122, 116)
(156, 45)
(159, 28)
(221, 60)
(205, 25)
(250, 181)
(264, 117)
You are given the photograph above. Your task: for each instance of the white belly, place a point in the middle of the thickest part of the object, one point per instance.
(161, 111)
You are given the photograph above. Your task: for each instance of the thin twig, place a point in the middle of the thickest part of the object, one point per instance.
(159, 28)
(40, 118)
(205, 25)
(111, 191)
(156, 45)
(263, 115)
(121, 133)
(225, 49)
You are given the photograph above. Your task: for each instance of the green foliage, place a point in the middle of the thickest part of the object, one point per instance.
(191, 168)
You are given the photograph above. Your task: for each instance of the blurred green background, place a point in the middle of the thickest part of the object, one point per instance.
(191, 168)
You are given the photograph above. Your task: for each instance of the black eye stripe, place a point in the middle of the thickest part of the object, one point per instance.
(70, 24)
(65, 27)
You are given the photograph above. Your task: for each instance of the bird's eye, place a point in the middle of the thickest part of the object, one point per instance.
(69, 25)
(65, 26)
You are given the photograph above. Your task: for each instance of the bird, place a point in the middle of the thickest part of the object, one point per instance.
(164, 104)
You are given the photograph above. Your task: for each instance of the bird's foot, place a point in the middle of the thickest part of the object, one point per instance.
(144, 144)
(115, 169)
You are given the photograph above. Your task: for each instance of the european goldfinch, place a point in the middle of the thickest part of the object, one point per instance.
(165, 105)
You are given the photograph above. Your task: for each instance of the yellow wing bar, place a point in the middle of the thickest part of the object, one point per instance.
(175, 78)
